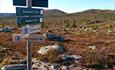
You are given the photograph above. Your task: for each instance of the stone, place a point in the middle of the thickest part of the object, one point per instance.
(92, 47)
(44, 50)
(71, 57)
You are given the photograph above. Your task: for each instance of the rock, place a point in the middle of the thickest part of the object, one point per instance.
(44, 50)
(52, 66)
(14, 61)
(65, 67)
(92, 47)
(57, 66)
(35, 67)
(109, 30)
(94, 31)
(70, 57)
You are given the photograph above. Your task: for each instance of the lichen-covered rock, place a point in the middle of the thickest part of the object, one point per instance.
(44, 50)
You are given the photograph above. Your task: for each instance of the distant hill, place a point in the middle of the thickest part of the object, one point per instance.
(58, 13)
(93, 12)
(54, 12)
(7, 14)
(97, 11)
(84, 18)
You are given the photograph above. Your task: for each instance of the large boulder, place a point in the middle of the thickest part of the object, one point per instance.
(45, 49)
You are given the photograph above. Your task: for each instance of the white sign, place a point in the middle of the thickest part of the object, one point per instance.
(17, 37)
(31, 29)
(37, 38)
(34, 29)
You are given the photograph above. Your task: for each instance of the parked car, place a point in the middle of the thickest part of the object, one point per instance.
(15, 67)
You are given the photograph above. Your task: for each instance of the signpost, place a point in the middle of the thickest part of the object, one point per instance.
(28, 11)
(28, 16)
(35, 3)
(29, 20)
(29, 44)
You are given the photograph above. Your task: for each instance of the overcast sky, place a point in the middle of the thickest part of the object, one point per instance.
(68, 6)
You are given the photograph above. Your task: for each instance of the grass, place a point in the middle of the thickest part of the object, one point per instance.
(80, 40)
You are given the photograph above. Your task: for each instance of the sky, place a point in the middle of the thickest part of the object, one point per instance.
(69, 6)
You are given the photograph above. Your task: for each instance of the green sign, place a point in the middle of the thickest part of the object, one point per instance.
(28, 11)
(29, 20)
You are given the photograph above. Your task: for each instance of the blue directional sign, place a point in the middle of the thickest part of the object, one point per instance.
(28, 11)
(35, 3)
(18, 38)
(29, 20)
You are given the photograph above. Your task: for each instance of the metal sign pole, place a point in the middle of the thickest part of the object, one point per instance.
(29, 55)
(29, 44)
(29, 3)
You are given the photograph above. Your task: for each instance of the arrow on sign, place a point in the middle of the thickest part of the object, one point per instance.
(29, 20)
(28, 11)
